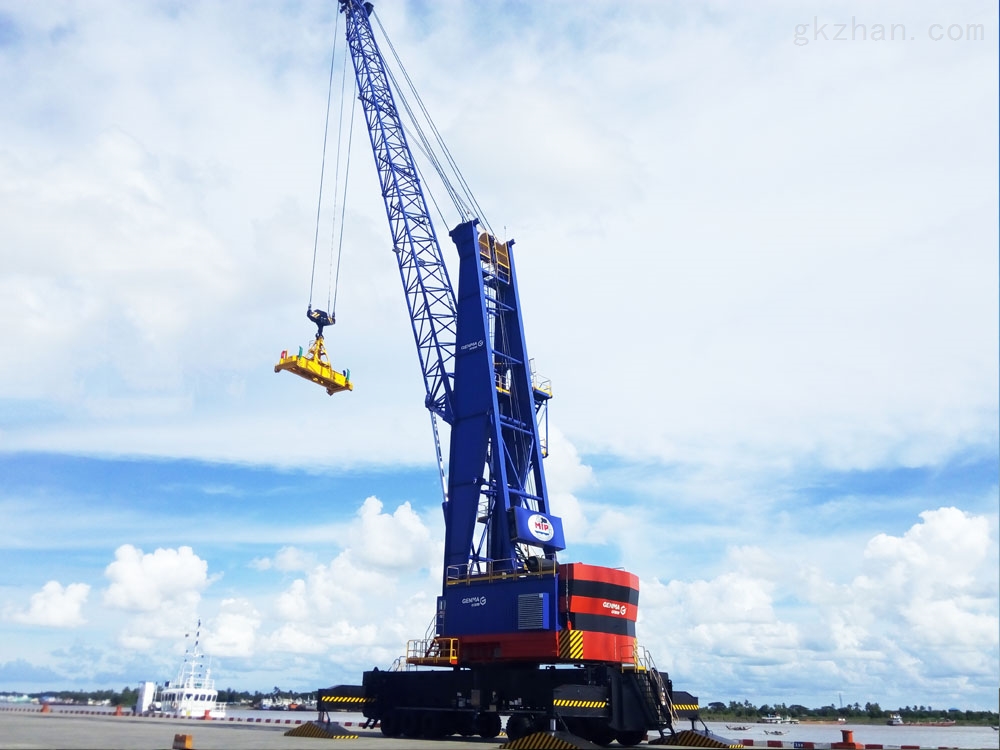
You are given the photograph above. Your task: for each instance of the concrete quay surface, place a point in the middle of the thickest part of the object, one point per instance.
(32, 730)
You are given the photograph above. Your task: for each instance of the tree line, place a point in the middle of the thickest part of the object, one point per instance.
(714, 711)
(717, 710)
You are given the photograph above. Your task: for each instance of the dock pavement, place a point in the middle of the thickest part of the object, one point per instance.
(33, 730)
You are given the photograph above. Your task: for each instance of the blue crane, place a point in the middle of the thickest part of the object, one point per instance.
(472, 351)
(516, 632)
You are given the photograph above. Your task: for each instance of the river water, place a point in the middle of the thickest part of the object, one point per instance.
(967, 738)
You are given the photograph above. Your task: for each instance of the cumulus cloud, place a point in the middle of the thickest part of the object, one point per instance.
(159, 592)
(286, 560)
(393, 542)
(54, 606)
(375, 594)
(921, 617)
(233, 631)
(144, 582)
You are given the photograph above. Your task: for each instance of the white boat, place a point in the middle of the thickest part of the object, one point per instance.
(895, 720)
(192, 695)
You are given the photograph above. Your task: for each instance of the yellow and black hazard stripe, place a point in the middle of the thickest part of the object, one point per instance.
(317, 731)
(355, 699)
(685, 706)
(571, 644)
(563, 703)
(541, 741)
(688, 738)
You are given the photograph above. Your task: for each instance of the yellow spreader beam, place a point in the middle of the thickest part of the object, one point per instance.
(315, 366)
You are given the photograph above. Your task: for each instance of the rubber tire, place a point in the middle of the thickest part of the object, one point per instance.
(488, 725)
(599, 734)
(631, 738)
(519, 726)
(431, 725)
(389, 724)
(409, 724)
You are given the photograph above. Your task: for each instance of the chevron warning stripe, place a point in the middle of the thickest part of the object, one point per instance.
(571, 644)
(326, 731)
(549, 741)
(579, 704)
(357, 700)
(688, 738)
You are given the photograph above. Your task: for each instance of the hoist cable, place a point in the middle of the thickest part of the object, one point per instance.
(460, 204)
(424, 146)
(343, 203)
(322, 167)
(336, 198)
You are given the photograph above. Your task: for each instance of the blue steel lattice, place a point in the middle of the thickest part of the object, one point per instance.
(428, 290)
(495, 457)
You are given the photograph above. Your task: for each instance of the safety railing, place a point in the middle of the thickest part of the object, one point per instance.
(433, 652)
(496, 570)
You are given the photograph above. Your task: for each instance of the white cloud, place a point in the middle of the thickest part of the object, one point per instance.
(392, 542)
(233, 631)
(159, 591)
(286, 560)
(377, 593)
(776, 335)
(152, 581)
(290, 559)
(920, 617)
(54, 606)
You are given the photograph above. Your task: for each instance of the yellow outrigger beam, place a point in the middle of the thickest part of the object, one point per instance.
(315, 366)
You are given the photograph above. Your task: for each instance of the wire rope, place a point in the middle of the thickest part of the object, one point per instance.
(343, 202)
(456, 194)
(322, 167)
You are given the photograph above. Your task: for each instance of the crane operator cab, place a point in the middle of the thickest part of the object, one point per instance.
(314, 364)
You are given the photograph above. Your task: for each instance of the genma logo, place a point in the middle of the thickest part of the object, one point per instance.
(540, 527)
(475, 601)
(616, 608)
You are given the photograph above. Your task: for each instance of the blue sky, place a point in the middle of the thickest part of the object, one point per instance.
(761, 275)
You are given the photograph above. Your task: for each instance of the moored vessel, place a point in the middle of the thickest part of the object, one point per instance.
(193, 694)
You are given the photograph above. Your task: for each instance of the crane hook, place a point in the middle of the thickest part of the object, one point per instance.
(321, 319)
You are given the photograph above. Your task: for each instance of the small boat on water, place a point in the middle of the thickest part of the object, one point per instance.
(738, 727)
(192, 695)
(895, 720)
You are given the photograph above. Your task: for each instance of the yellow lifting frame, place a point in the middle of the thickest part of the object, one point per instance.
(315, 366)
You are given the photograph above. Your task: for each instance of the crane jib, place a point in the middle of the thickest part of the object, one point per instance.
(424, 275)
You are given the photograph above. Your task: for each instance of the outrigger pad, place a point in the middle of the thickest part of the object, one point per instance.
(550, 741)
(324, 730)
(690, 738)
